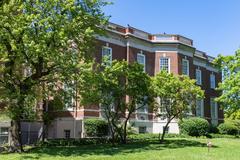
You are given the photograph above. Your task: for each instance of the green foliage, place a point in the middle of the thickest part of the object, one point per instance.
(174, 149)
(232, 114)
(3, 116)
(214, 135)
(213, 129)
(73, 142)
(151, 137)
(96, 127)
(110, 85)
(177, 96)
(194, 126)
(43, 43)
(228, 128)
(230, 86)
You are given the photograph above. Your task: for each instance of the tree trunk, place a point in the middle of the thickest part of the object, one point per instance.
(164, 131)
(16, 137)
(124, 141)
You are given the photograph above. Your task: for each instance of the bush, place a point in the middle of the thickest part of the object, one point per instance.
(228, 128)
(212, 135)
(194, 126)
(152, 137)
(96, 127)
(213, 129)
(73, 142)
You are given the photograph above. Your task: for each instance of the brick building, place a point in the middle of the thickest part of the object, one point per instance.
(174, 53)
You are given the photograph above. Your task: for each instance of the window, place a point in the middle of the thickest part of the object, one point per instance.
(3, 135)
(67, 134)
(165, 64)
(143, 109)
(141, 60)
(106, 56)
(167, 129)
(198, 76)
(212, 81)
(214, 111)
(200, 108)
(69, 96)
(142, 129)
(185, 67)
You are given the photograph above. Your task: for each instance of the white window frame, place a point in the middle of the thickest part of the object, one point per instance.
(70, 106)
(4, 135)
(198, 82)
(185, 60)
(142, 128)
(201, 107)
(103, 54)
(168, 63)
(144, 61)
(214, 106)
(212, 81)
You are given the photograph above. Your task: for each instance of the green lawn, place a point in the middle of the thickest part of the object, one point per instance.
(173, 149)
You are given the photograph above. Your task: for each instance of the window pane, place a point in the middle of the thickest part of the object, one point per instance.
(164, 64)
(185, 67)
(4, 131)
(199, 108)
(107, 56)
(212, 81)
(141, 60)
(67, 134)
(142, 129)
(198, 76)
(213, 108)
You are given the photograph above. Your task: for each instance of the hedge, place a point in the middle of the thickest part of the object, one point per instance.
(73, 142)
(228, 128)
(194, 126)
(96, 127)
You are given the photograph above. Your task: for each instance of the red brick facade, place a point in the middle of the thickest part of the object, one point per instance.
(126, 43)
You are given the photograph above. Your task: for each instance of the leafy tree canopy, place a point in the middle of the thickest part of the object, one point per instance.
(176, 96)
(230, 86)
(43, 43)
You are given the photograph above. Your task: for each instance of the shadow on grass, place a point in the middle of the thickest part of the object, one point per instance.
(108, 150)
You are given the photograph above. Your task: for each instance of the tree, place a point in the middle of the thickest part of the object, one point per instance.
(176, 96)
(43, 43)
(230, 86)
(120, 89)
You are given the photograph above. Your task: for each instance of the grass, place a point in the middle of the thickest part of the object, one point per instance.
(172, 149)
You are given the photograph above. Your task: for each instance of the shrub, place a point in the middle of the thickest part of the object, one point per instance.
(228, 128)
(213, 129)
(96, 127)
(73, 142)
(194, 126)
(212, 135)
(152, 137)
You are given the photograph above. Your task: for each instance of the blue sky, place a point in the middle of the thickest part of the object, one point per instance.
(214, 25)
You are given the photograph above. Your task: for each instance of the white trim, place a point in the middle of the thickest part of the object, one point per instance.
(204, 64)
(169, 70)
(212, 81)
(114, 40)
(144, 60)
(214, 118)
(110, 57)
(187, 66)
(198, 71)
(201, 107)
